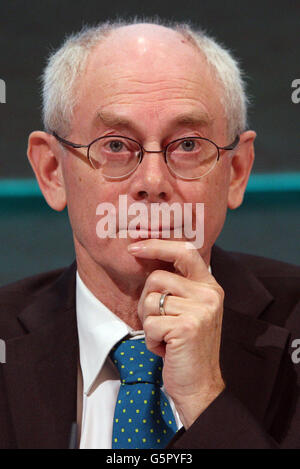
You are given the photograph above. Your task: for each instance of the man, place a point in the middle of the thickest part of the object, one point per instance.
(157, 114)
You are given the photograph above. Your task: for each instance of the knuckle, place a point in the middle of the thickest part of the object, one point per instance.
(155, 278)
(220, 292)
(215, 297)
(180, 265)
(193, 256)
(184, 261)
(148, 324)
(220, 295)
(149, 301)
(190, 325)
(140, 310)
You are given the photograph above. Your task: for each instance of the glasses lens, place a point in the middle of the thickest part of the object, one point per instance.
(192, 157)
(115, 156)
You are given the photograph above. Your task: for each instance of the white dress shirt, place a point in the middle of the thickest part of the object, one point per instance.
(99, 330)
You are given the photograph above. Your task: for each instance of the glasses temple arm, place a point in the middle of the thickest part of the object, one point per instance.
(232, 145)
(67, 142)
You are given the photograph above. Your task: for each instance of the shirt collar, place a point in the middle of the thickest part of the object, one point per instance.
(99, 329)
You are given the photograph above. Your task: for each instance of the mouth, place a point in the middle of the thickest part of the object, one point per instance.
(156, 228)
(144, 233)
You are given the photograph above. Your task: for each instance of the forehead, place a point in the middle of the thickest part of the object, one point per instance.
(150, 71)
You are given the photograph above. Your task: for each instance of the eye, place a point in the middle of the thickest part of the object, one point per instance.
(116, 146)
(188, 145)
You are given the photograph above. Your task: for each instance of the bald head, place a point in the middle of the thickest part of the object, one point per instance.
(141, 72)
(149, 47)
(146, 36)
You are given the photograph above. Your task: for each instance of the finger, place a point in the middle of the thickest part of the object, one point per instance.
(162, 280)
(182, 331)
(182, 307)
(184, 257)
(173, 306)
(156, 330)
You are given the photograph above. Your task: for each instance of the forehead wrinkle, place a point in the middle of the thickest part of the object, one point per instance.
(154, 89)
(145, 85)
(194, 118)
(134, 96)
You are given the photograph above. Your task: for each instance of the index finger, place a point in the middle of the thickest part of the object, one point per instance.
(185, 258)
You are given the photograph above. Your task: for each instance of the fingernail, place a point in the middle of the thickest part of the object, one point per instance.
(135, 248)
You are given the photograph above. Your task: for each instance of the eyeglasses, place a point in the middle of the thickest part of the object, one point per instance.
(117, 156)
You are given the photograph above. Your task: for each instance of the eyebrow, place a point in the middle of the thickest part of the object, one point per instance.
(110, 119)
(200, 118)
(195, 118)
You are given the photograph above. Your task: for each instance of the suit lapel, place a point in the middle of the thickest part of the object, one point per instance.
(41, 368)
(251, 349)
(251, 355)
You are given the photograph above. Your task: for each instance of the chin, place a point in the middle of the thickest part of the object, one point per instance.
(137, 269)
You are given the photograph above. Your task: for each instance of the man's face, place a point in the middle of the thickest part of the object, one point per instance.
(154, 87)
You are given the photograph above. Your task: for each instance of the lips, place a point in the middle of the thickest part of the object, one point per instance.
(158, 229)
(147, 227)
(161, 233)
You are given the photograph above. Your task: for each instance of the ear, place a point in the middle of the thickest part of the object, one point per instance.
(45, 155)
(241, 165)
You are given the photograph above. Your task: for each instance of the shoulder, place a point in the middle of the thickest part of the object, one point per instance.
(29, 286)
(244, 275)
(264, 267)
(281, 279)
(16, 296)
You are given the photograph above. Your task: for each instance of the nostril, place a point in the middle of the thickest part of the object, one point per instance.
(144, 195)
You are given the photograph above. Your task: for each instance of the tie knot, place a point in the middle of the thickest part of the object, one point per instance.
(135, 363)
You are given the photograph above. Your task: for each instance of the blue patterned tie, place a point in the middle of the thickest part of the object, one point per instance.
(143, 416)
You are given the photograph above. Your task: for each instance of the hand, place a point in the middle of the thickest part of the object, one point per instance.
(188, 336)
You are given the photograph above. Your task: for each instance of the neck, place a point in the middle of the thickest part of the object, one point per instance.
(118, 291)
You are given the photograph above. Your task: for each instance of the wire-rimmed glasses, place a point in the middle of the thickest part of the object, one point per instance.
(118, 156)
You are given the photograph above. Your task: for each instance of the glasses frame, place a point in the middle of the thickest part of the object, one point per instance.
(143, 151)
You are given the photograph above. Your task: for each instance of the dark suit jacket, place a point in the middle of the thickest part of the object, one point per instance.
(260, 407)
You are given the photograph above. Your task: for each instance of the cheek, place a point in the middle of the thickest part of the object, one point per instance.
(85, 191)
(216, 204)
(212, 191)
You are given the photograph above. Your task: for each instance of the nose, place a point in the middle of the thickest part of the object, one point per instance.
(152, 180)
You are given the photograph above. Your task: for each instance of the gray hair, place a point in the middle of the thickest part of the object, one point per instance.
(66, 65)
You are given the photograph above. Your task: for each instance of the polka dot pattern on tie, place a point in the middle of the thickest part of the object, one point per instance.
(143, 416)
